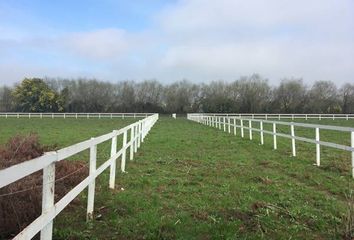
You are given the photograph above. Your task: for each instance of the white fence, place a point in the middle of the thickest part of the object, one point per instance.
(44, 223)
(73, 115)
(228, 122)
(279, 116)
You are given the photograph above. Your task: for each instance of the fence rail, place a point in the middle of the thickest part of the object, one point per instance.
(73, 115)
(279, 116)
(44, 223)
(228, 122)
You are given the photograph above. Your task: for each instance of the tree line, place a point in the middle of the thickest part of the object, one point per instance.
(249, 94)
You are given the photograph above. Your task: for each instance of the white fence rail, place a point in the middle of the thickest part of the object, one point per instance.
(227, 122)
(73, 115)
(44, 223)
(279, 116)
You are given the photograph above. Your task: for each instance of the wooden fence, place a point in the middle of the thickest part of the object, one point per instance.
(44, 223)
(228, 122)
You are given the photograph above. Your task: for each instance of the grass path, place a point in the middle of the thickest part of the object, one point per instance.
(189, 181)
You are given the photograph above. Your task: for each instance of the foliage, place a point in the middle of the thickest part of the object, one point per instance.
(247, 94)
(34, 95)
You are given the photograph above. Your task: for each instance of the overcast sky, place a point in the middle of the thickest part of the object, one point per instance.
(200, 40)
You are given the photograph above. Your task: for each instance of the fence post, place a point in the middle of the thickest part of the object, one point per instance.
(136, 138)
(228, 122)
(112, 175)
(140, 135)
(250, 128)
(131, 143)
(41, 115)
(242, 131)
(352, 145)
(275, 136)
(224, 122)
(306, 116)
(317, 147)
(293, 139)
(266, 116)
(235, 126)
(91, 186)
(347, 116)
(261, 128)
(142, 131)
(122, 166)
(220, 123)
(48, 198)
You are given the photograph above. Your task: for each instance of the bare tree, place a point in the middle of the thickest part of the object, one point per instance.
(323, 98)
(347, 93)
(290, 96)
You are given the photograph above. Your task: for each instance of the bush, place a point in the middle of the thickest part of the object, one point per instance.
(19, 209)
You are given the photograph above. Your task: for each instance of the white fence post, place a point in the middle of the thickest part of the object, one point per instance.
(293, 139)
(261, 128)
(242, 130)
(132, 143)
(352, 145)
(91, 186)
(250, 128)
(235, 126)
(139, 134)
(275, 136)
(122, 166)
(48, 198)
(224, 122)
(220, 123)
(318, 147)
(228, 122)
(112, 175)
(136, 138)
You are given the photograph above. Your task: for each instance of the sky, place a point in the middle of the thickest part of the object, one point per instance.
(169, 40)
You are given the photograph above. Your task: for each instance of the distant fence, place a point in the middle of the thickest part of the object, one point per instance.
(228, 122)
(73, 115)
(279, 116)
(44, 223)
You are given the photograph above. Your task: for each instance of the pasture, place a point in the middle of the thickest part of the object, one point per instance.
(189, 181)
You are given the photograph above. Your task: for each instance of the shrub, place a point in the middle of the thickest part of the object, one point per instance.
(21, 201)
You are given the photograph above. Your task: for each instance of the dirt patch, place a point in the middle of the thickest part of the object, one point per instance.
(265, 180)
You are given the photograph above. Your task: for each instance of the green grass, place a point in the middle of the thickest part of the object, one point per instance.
(189, 181)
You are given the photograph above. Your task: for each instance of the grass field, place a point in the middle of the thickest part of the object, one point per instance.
(189, 181)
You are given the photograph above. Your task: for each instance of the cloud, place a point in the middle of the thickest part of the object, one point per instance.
(227, 38)
(202, 41)
(100, 44)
